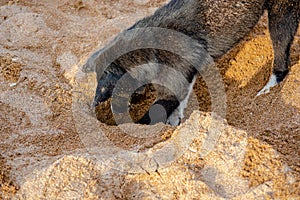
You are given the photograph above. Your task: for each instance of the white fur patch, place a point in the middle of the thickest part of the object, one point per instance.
(177, 115)
(272, 82)
(174, 118)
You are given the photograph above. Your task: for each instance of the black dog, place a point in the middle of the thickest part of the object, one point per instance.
(217, 25)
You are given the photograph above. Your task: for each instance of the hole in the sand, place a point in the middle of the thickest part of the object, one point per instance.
(139, 103)
(133, 136)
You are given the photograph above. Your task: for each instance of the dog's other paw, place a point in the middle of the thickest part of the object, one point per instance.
(272, 82)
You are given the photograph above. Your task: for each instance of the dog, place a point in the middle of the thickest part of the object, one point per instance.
(217, 26)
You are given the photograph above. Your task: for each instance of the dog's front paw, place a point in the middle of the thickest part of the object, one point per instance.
(175, 118)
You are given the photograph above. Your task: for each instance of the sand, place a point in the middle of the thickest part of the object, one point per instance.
(42, 45)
